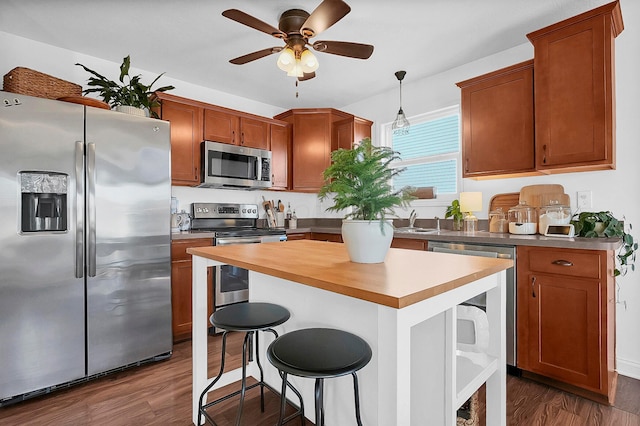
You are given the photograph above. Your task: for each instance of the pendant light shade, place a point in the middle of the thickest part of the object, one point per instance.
(401, 125)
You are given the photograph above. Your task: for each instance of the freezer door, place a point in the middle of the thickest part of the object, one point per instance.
(128, 239)
(41, 292)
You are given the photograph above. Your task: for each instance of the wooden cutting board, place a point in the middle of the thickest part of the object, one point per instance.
(504, 201)
(542, 195)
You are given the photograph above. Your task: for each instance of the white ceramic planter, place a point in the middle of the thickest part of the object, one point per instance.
(365, 241)
(127, 109)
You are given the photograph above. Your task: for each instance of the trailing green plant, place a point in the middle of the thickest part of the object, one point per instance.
(360, 178)
(604, 224)
(131, 92)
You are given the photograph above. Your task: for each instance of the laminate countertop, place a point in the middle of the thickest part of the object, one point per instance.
(479, 237)
(406, 277)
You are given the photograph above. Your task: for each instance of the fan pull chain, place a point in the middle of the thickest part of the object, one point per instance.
(296, 89)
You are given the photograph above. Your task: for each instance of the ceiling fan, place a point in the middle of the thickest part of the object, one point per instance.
(295, 28)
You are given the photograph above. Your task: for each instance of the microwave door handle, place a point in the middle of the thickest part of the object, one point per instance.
(259, 169)
(79, 244)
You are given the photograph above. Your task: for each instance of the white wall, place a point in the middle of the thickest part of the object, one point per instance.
(612, 190)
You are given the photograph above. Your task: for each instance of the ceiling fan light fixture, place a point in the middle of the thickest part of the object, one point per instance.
(296, 70)
(287, 59)
(309, 61)
(400, 125)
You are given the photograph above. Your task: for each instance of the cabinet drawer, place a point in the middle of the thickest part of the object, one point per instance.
(179, 248)
(577, 263)
(409, 243)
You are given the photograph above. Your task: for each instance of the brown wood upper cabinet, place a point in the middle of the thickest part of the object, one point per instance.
(316, 132)
(497, 122)
(280, 155)
(573, 104)
(566, 318)
(194, 121)
(227, 127)
(186, 135)
(574, 90)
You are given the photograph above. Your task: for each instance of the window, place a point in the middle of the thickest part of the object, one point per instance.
(430, 152)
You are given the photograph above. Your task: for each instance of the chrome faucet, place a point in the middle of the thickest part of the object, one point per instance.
(412, 218)
(437, 223)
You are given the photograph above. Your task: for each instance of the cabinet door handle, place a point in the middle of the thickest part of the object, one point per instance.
(242, 138)
(533, 288)
(561, 262)
(466, 165)
(544, 154)
(233, 137)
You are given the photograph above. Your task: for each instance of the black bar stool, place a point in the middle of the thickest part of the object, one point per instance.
(319, 353)
(249, 318)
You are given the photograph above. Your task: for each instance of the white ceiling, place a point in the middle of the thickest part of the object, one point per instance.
(191, 41)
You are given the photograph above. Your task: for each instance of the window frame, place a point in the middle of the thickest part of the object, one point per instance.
(387, 140)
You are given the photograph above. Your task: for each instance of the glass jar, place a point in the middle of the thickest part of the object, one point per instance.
(553, 214)
(523, 219)
(498, 221)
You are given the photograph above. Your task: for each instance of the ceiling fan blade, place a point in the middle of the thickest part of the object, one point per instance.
(325, 15)
(307, 76)
(240, 60)
(344, 48)
(250, 21)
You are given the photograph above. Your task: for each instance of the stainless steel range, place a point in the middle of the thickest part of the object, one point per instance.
(232, 224)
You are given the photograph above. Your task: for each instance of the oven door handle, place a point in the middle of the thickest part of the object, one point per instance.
(237, 240)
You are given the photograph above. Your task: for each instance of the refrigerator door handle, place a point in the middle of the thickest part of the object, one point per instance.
(91, 209)
(79, 209)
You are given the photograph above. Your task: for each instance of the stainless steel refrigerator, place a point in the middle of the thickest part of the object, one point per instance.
(85, 266)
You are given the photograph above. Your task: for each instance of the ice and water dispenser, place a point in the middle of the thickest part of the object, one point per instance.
(44, 201)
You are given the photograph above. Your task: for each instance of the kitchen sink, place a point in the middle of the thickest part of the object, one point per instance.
(415, 230)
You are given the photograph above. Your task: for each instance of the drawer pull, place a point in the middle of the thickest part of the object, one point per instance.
(561, 262)
(533, 288)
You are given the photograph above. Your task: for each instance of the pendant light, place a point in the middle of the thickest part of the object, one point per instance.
(401, 125)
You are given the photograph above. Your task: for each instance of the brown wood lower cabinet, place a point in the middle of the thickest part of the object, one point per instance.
(301, 236)
(325, 236)
(181, 280)
(409, 243)
(566, 319)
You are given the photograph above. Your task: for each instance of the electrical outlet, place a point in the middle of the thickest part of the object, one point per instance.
(584, 200)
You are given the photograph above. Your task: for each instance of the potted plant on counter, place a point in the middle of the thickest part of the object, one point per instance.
(359, 179)
(453, 211)
(604, 224)
(130, 95)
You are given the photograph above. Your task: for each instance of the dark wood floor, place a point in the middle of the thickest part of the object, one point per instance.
(160, 394)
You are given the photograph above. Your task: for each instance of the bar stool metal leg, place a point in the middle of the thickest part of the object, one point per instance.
(206, 390)
(357, 397)
(319, 402)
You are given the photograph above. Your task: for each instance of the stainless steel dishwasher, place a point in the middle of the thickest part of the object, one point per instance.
(495, 251)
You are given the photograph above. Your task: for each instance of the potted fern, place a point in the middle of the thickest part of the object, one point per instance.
(130, 95)
(359, 179)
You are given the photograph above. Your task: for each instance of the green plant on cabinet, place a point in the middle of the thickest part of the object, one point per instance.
(130, 93)
(605, 224)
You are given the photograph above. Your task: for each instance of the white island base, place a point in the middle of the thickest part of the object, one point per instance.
(416, 375)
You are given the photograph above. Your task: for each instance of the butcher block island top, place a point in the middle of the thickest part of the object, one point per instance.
(406, 277)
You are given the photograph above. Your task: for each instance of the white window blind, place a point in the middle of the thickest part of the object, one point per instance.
(430, 151)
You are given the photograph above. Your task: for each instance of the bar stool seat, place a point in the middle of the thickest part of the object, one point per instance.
(319, 353)
(249, 318)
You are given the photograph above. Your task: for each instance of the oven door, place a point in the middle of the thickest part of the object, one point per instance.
(231, 282)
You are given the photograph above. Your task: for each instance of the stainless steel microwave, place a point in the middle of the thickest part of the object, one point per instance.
(233, 166)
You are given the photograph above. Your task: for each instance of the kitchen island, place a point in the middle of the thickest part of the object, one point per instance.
(405, 308)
